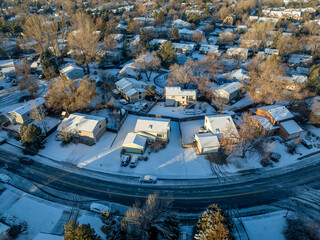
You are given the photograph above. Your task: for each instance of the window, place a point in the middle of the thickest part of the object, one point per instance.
(159, 134)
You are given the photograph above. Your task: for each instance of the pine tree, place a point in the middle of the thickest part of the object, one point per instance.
(48, 63)
(168, 54)
(213, 225)
(74, 231)
(112, 226)
(174, 34)
(172, 224)
(31, 137)
(313, 82)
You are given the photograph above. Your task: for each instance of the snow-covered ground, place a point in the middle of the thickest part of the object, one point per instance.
(267, 226)
(189, 129)
(180, 112)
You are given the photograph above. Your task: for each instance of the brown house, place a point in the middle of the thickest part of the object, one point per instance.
(275, 113)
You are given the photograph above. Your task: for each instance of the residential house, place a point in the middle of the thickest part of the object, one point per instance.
(185, 48)
(289, 130)
(229, 91)
(221, 124)
(175, 96)
(236, 52)
(300, 60)
(130, 70)
(87, 129)
(7, 68)
(72, 72)
(131, 89)
(153, 128)
(134, 143)
(275, 113)
(265, 125)
(178, 23)
(209, 49)
(186, 34)
(23, 114)
(207, 143)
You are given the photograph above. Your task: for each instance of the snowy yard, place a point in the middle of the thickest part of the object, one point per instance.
(267, 226)
(201, 109)
(189, 129)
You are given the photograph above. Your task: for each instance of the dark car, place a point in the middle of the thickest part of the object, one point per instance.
(307, 145)
(125, 160)
(26, 160)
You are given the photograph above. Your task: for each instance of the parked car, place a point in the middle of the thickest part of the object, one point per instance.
(149, 179)
(134, 162)
(125, 160)
(4, 178)
(123, 102)
(275, 156)
(26, 160)
(99, 208)
(307, 145)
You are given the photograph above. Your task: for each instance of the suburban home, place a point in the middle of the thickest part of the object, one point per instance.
(289, 130)
(72, 72)
(242, 53)
(178, 23)
(184, 48)
(186, 34)
(275, 113)
(229, 91)
(300, 60)
(134, 143)
(157, 42)
(221, 124)
(265, 125)
(131, 89)
(209, 49)
(153, 128)
(23, 114)
(175, 96)
(207, 143)
(87, 129)
(118, 37)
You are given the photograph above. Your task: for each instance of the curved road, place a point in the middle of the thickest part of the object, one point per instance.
(252, 190)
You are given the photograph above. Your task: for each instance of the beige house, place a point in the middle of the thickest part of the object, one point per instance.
(229, 91)
(131, 89)
(207, 143)
(84, 128)
(134, 143)
(175, 96)
(23, 114)
(153, 128)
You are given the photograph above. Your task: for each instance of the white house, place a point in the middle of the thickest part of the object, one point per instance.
(207, 143)
(209, 49)
(221, 124)
(153, 128)
(134, 143)
(185, 48)
(23, 114)
(176, 96)
(242, 53)
(84, 128)
(229, 91)
(178, 23)
(72, 72)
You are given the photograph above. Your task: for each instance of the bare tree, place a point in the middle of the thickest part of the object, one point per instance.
(110, 43)
(147, 63)
(38, 114)
(84, 39)
(247, 135)
(26, 80)
(198, 37)
(182, 75)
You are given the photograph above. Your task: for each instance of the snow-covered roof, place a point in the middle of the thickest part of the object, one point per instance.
(176, 91)
(230, 87)
(265, 123)
(209, 48)
(279, 113)
(80, 122)
(134, 139)
(184, 46)
(157, 41)
(70, 68)
(6, 63)
(157, 125)
(291, 127)
(28, 106)
(221, 123)
(207, 140)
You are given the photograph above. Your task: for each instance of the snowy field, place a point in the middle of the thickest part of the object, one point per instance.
(180, 112)
(267, 226)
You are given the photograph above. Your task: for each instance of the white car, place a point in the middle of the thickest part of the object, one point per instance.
(99, 208)
(4, 178)
(149, 179)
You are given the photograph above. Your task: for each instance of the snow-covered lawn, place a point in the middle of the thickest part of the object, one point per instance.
(201, 109)
(267, 226)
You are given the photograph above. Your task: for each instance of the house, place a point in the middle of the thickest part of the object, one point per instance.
(87, 129)
(184, 47)
(175, 96)
(265, 125)
(134, 143)
(7, 68)
(275, 113)
(130, 70)
(207, 143)
(300, 60)
(131, 89)
(229, 91)
(241, 53)
(118, 37)
(23, 114)
(289, 130)
(153, 128)
(157, 42)
(270, 51)
(178, 23)
(186, 34)
(221, 124)
(72, 72)
(209, 49)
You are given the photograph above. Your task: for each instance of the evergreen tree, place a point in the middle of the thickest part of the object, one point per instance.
(31, 137)
(214, 225)
(313, 82)
(174, 34)
(172, 223)
(168, 54)
(74, 231)
(112, 226)
(3, 54)
(48, 63)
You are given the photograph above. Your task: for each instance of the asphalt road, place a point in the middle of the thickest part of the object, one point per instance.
(252, 191)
